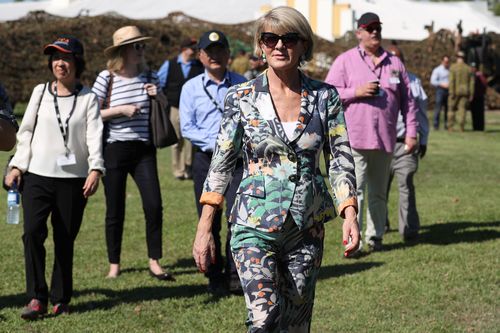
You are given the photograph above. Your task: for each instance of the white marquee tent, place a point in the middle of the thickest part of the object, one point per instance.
(402, 19)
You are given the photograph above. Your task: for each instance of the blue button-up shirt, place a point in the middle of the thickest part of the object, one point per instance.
(163, 71)
(440, 75)
(200, 116)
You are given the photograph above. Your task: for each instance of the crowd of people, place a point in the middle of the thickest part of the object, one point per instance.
(251, 139)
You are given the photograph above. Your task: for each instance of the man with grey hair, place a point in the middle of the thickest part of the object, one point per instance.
(201, 108)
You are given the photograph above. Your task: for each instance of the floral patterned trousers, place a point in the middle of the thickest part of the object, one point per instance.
(278, 272)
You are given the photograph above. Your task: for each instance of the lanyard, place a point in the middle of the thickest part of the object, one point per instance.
(212, 99)
(64, 129)
(367, 65)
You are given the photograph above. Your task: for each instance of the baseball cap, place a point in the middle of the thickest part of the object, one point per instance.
(368, 18)
(188, 43)
(65, 44)
(213, 37)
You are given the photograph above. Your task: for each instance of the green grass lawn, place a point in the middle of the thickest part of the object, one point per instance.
(448, 282)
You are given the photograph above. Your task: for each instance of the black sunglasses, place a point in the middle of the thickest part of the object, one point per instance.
(139, 46)
(289, 40)
(372, 28)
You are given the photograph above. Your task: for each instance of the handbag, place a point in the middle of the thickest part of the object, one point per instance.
(107, 104)
(161, 129)
(6, 169)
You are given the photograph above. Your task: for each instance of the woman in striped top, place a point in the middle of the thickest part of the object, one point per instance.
(124, 90)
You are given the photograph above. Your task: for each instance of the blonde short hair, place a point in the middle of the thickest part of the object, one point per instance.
(282, 20)
(116, 61)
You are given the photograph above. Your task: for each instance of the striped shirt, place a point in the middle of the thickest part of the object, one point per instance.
(126, 91)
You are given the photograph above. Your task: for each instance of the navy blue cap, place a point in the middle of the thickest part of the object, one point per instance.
(212, 37)
(65, 44)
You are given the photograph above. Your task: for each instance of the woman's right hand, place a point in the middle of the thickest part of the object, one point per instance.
(130, 110)
(15, 175)
(204, 245)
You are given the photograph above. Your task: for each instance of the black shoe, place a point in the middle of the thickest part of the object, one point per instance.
(375, 245)
(217, 288)
(411, 238)
(60, 309)
(162, 277)
(235, 286)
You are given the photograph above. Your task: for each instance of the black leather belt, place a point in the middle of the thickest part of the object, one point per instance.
(401, 140)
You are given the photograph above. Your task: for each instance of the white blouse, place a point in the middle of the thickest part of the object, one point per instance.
(289, 127)
(38, 151)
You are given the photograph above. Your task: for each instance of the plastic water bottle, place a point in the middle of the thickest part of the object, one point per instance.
(13, 205)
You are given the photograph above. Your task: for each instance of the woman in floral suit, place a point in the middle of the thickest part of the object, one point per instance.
(281, 122)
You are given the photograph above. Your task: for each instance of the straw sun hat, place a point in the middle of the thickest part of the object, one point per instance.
(123, 36)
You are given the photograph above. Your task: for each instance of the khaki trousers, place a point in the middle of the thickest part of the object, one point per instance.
(457, 104)
(182, 152)
(372, 169)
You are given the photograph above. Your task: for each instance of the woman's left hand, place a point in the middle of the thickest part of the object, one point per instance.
(150, 89)
(91, 183)
(350, 229)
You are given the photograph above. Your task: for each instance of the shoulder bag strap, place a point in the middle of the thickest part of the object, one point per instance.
(37, 109)
(110, 88)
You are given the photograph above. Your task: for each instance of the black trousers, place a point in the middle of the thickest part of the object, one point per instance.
(201, 164)
(477, 111)
(63, 200)
(139, 160)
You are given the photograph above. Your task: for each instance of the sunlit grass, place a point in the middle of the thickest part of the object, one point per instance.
(448, 282)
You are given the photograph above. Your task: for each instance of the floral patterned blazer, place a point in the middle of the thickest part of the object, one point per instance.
(282, 176)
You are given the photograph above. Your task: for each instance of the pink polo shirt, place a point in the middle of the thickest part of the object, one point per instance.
(371, 121)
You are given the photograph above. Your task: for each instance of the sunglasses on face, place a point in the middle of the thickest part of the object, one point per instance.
(270, 39)
(139, 46)
(372, 28)
(64, 57)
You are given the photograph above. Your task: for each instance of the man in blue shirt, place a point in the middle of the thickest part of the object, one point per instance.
(201, 107)
(173, 74)
(439, 79)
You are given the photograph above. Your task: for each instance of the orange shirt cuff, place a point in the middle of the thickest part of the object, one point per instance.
(349, 202)
(212, 198)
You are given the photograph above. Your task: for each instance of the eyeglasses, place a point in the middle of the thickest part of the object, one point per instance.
(289, 40)
(139, 46)
(372, 28)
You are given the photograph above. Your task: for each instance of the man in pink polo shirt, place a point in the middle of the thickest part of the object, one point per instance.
(374, 86)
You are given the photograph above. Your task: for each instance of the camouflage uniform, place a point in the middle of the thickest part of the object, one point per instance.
(460, 92)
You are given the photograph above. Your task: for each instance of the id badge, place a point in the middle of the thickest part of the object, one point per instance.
(64, 160)
(394, 80)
